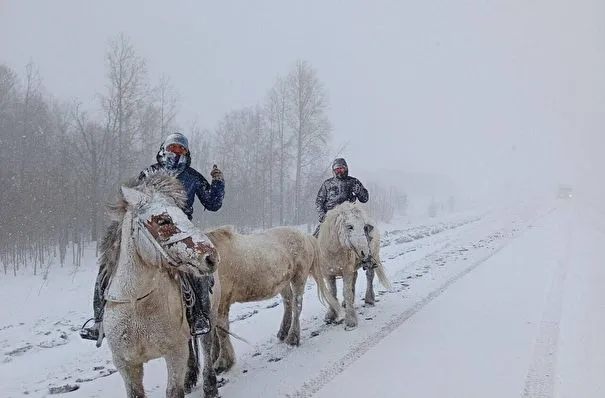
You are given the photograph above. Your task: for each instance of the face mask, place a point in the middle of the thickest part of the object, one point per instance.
(174, 163)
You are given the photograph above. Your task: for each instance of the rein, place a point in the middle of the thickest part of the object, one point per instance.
(372, 264)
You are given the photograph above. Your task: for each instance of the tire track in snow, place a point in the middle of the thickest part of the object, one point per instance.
(540, 379)
(313, 385)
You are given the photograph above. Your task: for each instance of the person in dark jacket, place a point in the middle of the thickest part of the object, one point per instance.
(337, 190)
(175, 158)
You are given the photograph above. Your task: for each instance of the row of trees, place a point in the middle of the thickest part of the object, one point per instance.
(61, 162)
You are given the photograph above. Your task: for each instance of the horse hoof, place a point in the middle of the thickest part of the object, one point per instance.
(293, 340)
(349, 328)
(212, 392)
(335, 321)
(350, 324)
(281, 336)
(221, 367)
(330, 318)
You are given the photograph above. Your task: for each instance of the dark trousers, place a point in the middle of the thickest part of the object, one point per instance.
(199, 313)
(98, 301)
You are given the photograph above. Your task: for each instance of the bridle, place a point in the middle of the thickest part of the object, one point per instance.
(141, 228)
(138, 228)
(372, 264)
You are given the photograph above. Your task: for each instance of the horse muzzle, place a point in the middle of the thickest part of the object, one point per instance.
(199, 254)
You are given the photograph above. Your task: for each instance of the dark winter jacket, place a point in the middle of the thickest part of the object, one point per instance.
(210, 195)
(337, 190)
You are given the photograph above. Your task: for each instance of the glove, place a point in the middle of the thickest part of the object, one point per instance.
(216, 173)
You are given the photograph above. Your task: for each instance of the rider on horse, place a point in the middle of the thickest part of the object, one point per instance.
(337, 190)
(175, 158)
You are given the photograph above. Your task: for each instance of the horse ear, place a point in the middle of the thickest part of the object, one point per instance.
(133, 196)
(368, 228)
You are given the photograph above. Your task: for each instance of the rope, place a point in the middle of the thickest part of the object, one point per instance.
(187, 292)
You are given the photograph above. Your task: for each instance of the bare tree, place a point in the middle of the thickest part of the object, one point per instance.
(93, 150)
(31, 101)
(125, 100)
(167, 99)
(309, 122)
(62, 217)
(9, 140)
(277, 110)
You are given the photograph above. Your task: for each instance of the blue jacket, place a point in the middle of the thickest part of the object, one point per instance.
(210, 195)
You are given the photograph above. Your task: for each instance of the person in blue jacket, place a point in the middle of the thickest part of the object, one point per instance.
(174, 157)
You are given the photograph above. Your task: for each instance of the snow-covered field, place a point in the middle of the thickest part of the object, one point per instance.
(495, 302)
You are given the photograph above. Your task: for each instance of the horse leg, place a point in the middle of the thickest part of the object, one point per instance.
(177, 363)
(348, 292)
(298, 288)
(286, 321)
(133, 378)
(370, 298)
(226, 357)
(209, 374)
(344, 301)
(193, 366)
(331, 314)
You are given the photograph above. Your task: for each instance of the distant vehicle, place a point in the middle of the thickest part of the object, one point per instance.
(564, 192)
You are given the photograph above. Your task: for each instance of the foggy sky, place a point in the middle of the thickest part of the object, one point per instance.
(482, 92)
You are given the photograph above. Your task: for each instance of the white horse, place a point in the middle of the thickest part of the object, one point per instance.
(260, 266)
(349, 241)
(145, 250)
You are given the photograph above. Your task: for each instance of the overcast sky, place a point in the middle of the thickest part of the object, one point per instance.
(479, 91)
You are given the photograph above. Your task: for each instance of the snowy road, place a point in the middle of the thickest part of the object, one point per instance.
(501, 302)
(528, 321)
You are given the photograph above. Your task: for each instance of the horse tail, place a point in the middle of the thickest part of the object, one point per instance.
(382, 276)
(375, 250)
(323, 292)
(193, 364)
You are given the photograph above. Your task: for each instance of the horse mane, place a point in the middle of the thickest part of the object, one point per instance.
(157, 182)
(335, 218)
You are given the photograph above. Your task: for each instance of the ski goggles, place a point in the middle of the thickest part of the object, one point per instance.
(177, 149)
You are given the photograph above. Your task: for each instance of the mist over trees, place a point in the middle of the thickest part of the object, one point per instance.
(63, 160)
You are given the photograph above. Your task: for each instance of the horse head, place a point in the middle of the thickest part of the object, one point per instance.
(355, 230)
(159, 228)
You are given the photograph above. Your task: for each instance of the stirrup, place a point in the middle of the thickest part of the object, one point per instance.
(92, 334)
(88, 333)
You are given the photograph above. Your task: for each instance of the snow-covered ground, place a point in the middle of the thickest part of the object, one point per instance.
(496, 302)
